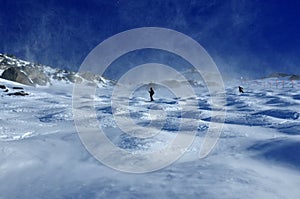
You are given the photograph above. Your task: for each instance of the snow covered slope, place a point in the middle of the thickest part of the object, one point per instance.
(257, 156)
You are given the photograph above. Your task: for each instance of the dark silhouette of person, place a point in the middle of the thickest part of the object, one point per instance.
(241, 89)
(151, 92)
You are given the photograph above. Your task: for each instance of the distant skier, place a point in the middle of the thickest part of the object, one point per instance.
(241, 89)
(151, 92)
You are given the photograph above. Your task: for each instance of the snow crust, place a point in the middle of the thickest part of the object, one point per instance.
(257, 156)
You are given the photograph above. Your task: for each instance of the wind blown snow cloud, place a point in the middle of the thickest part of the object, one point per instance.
(245, 38)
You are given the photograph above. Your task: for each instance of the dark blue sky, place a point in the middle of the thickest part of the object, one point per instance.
(245, 38)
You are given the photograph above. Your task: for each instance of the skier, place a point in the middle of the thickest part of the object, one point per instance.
(151, 92)
(241, 89)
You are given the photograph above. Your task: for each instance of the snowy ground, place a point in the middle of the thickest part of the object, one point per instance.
(257, 156)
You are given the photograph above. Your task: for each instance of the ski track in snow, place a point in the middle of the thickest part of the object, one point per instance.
(257, 156)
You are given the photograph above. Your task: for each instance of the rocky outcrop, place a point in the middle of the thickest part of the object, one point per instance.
(37, 76)
(295, 77)
(20, 93)
(277, 75)
(91, 76)
(17, 88)
(283, 75)
(68, 76)
(16, 75)
(34, 74)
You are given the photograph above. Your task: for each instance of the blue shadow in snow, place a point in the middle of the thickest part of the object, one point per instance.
(164, 101)
(296, 97)
(282, 151)
(203, 105)
(290, 130)
(282, 114)
(279, 102)
(106, 109)
(51, 117)
(231, 101)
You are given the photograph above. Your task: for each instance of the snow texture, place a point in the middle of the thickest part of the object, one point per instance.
(257, 156)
